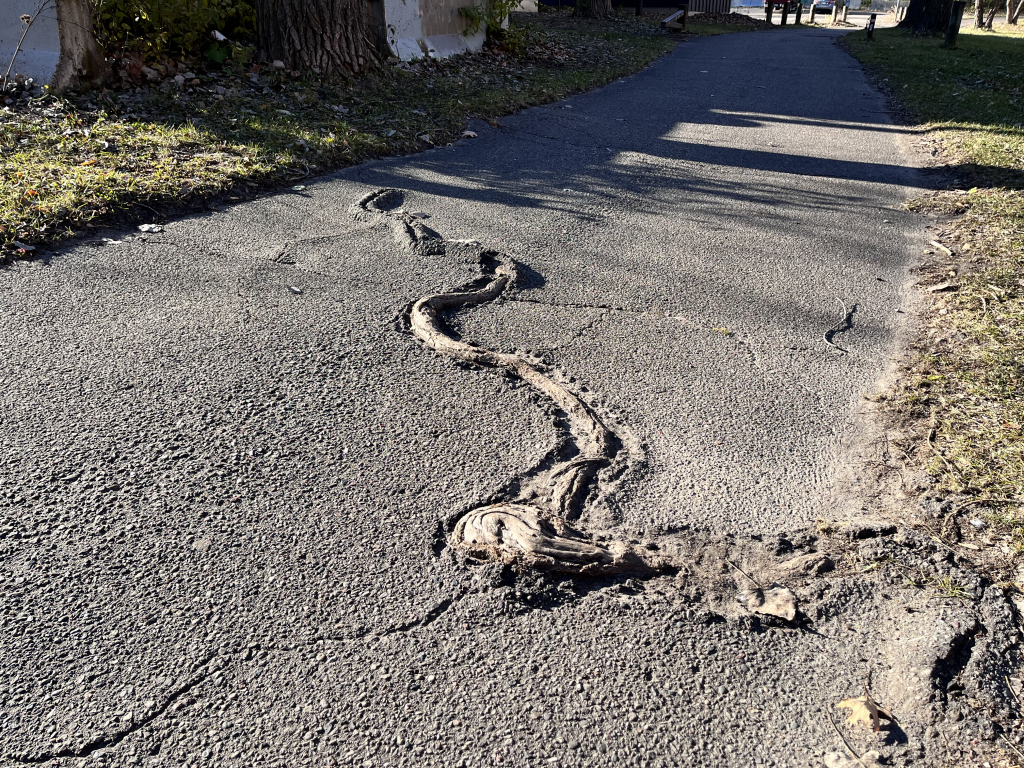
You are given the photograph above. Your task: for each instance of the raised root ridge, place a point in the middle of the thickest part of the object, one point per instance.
(532, 527)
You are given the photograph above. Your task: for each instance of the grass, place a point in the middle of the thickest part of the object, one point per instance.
(136, 152)
(965, 389)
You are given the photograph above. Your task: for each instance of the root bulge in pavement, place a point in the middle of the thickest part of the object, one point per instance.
(533, 525)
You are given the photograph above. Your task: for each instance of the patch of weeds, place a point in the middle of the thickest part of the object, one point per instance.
(195, 136)
(962, 396)
(948, 587)
(969, 381)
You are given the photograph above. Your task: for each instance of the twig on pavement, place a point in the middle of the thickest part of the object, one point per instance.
(752, 579)
(845, 742)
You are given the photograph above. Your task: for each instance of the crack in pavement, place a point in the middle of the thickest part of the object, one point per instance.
(844, 325)
(112, 740)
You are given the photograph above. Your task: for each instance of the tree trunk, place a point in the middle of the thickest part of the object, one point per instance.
(991, 16)
(81, 64)
(979, 15)
(1011, 18)
(927, 17)
(326, 36)
(593, 9)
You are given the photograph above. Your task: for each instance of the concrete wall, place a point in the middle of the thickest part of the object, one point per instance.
(420, 28)
(41, 49)
(442, 17)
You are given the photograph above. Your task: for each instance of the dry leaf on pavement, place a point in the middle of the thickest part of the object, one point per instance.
(865, 710)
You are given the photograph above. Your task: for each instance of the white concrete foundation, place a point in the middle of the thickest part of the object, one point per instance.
(41, 49)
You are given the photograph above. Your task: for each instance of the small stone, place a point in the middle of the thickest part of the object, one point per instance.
(151, 74)
(179, 81)
(278, 64)
(189, 75)
(977, 524)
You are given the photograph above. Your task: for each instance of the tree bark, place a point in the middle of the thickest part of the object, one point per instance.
(927, 17)
(325, 36)
(593, 9)
(81, 64)
(991, 17)
(979, 15)
(1011, 15)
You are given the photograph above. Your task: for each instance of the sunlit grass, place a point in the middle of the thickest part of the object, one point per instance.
(969, 389)
(79, 164)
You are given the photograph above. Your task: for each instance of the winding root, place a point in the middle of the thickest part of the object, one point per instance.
(513, 531)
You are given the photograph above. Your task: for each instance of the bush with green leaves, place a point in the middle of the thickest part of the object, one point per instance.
(492, 15)
(172, 27)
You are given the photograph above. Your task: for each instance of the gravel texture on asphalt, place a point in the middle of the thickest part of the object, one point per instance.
(225, 470)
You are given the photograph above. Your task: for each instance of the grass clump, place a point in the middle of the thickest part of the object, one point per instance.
(966, 387)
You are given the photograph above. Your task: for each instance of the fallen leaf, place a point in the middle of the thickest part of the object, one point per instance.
(469, 134)
(150, 228)
(89, 162)
(298, 187)
(296, 291)
(864, 710)
(943, 287)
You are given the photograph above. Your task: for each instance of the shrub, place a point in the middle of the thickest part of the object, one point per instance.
(171, 27)
(491, 15)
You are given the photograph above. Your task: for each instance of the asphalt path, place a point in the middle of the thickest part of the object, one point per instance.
(225, 469)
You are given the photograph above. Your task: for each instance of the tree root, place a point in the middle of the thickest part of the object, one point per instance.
(532, 527)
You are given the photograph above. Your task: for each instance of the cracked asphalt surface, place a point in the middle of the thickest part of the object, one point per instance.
(226, 470)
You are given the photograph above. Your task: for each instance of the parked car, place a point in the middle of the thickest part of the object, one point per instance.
(824, 5)
(777, 5)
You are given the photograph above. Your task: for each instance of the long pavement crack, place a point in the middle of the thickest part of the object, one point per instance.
(109, 740)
